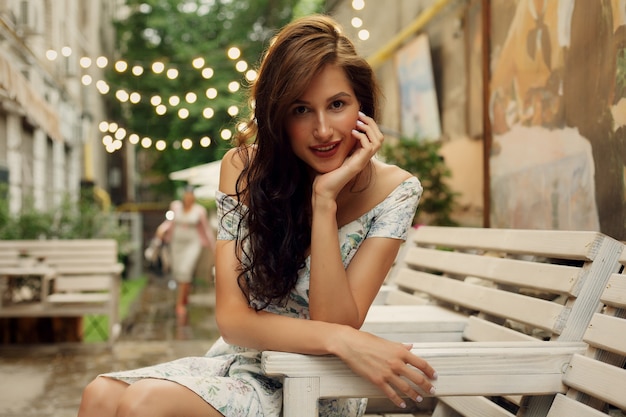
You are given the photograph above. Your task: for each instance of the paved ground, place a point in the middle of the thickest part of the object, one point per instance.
(47, 381)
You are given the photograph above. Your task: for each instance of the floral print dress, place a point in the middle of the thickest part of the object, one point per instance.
(229, 377)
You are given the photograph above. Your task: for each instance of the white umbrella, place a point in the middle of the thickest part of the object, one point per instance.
(205, 176)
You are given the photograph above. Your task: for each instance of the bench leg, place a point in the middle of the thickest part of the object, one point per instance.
(301, 397)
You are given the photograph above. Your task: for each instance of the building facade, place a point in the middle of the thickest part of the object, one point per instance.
(49, 105)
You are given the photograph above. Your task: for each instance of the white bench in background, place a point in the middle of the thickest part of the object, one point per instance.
(85, 280)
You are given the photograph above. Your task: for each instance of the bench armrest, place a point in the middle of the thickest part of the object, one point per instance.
(468, 368)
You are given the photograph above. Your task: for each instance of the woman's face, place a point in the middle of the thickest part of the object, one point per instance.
(319, 124)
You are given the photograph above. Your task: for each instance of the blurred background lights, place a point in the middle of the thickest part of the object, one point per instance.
(207, 73)
(364, 34)
(234, 52)
(133, 138)
(233, 111)
(174, 100)
(155, 100)
(86, 79)
(66, 51)
(160, 109)
(186, 144)
(226, 134)
(198, 63)
(137, 70)
(211, 93)
(183, 113)
(205, 141)
(135, 97)
(85, 62)
(233, 86)
(208, 113)
(120, 133)
(172, 73)
(102, 61)
(356, 22)
(358, 4)
(241, 66)
(158, 67)
(121, 66)
(146, 142)
(251, 75)
(191, 97)
(51, 55)
(160, 145)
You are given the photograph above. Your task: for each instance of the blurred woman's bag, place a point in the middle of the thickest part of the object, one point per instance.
(157, 256)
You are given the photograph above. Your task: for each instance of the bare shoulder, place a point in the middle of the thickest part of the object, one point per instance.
(231, 167)
(388, 176)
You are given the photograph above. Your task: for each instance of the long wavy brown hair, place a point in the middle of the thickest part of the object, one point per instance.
(275, 184)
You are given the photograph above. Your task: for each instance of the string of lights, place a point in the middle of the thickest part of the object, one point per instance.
(113, 135)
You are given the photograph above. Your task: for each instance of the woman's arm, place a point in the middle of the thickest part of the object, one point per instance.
(338, 294)
(381, 361)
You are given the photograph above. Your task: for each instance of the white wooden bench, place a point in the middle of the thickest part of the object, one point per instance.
(596, 380)
(85, 279)
(475, 289)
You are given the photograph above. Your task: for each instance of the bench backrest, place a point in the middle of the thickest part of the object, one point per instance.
(515, 284)
(597, 380)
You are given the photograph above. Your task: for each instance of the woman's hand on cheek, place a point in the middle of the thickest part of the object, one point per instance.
(369, 140)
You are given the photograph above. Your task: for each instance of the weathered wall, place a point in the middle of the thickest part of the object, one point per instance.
(557, 106)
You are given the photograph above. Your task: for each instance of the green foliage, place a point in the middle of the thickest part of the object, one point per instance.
(422, 159)
(176, 32)
(82, 219)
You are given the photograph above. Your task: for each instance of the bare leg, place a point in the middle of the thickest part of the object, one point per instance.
(160, 398)
(101, 397)
(106, 397)
(182, 299)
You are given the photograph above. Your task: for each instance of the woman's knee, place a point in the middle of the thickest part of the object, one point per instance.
(101, 396)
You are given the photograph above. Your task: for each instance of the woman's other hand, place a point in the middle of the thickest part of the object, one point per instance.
(388, 365)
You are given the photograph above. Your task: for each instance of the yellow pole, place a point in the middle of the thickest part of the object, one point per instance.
(387, 51)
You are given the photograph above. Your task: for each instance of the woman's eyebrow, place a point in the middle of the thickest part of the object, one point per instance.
(328, 100)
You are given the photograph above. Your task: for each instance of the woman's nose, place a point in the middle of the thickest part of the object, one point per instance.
(322, 130)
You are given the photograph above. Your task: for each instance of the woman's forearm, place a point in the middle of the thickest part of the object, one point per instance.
(330, 296)
(267, 331)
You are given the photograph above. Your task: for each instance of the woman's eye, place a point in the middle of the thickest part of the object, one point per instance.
(337, 104)
(299, 110)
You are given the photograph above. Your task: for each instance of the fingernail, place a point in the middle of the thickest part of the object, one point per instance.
(435, 375)
(402, 405)
(419, 399)
(361, 114)
(355, 131)
(432, 390)
(360, 123)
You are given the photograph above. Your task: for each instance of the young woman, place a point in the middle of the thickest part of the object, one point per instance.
(310, 224)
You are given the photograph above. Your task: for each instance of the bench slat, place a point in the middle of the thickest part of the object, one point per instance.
(554, 278)
(615, 292)
(597, 379)
(78, 298)
(608, 333)
(558, 244)
(479, 330)
(566, 407)
(82, 283)
(480, 406)
(534, 311)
